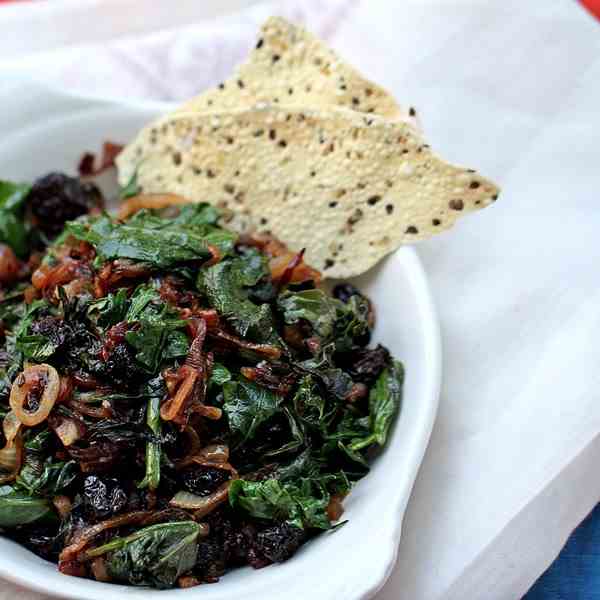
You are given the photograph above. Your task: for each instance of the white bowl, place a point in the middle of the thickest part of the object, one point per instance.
(44, 130)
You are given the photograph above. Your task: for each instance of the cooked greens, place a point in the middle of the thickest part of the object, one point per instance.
(176, 400)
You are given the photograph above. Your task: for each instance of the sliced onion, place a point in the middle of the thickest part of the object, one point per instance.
(172, 407)
(215, 453)
(21, 387)
(201, 505)
(63, 505)
(99, 570)
(150, 201)
(11, 427)
(11, 459)
(68, 431)
(209, 412)
(188, 581)
(335, 508)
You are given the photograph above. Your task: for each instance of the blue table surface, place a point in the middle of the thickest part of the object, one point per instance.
(575, 574)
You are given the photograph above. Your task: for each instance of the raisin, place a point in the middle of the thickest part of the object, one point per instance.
(121, 367)
(57, 198)
(56, 330)
(103, 496)
(345, 291)
(210, 561)
(280, 542)
(204, 480)
(368, 363)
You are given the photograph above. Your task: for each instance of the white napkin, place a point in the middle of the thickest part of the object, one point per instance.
(513, 89)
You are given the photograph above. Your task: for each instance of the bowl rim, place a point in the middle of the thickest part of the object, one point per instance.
(366, 587)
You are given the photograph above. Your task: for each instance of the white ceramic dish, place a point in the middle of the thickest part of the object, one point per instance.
(43, 130)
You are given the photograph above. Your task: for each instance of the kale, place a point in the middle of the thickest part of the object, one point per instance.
(247, 406)
(19, 508)
(302, 503)
(323, 369)
(227, 285)
(157, 242)
(44, 475)
(344, 324)
(110, 310)
(157, 555)
(158, 335)
(153, 447)
(13, 229)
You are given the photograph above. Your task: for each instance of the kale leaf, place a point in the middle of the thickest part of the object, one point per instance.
(331, 320)
(42, 475)
(13, 230)
(302, 503)
(158, 242)
(227, 284)
(247, 405)
(18, 508)
(157, 555)
(159, 334)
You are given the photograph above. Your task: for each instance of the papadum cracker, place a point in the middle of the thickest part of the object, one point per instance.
(347, 186)
(291, 66)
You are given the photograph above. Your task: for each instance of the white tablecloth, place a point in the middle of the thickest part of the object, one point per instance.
(511, 87)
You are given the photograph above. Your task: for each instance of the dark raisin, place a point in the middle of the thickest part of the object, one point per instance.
(368, 363)
(344, 291)
(121, 367)
(57, 198)
(280, 542)
(103, 496)
(210, 560)
(204, 480)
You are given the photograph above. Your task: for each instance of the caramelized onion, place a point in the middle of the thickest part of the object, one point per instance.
(150, 201)
(215, 455)
(11, 427)
(34, 375)
(11, 459)
(201, 505)
(9, 265)
(63, 505)
(68, 431)
(99, 570)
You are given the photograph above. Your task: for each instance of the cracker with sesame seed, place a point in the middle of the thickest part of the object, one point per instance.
(350, 187)
(291, 66)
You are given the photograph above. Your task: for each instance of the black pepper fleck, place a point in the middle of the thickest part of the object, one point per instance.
(412, 229)
(282, 143)
(474, 185)
(276, 57)
(272, 134)
(436, 222)
(333, 204)
(240, 83)
(373, 200)
(210, 173)
(355, 101)
(412, 112)
(389, 209)
(221, 86)
(456, 204)
(176, 158)
(329, 263)
(259, 43)
(263, 221)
